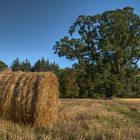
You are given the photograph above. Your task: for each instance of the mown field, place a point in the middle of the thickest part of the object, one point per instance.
(84, 119)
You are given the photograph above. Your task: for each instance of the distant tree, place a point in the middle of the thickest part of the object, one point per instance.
(54, 68)
(26, 65)
(3, 66)
(16, 65)
(43, 65)
(40, 65)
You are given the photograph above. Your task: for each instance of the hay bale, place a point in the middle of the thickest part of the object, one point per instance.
(29, 98)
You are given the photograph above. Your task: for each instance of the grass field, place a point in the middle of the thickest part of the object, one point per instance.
(84, 119)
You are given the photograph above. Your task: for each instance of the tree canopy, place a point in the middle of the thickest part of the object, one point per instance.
(106, 48)
(15, 66)
(109, 38)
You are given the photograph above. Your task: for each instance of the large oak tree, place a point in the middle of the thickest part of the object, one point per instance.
(107, 43)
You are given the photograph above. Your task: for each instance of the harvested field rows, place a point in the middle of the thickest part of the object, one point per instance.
(84, 119)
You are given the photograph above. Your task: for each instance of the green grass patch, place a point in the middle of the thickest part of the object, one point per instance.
(118, 108)
(134, 116)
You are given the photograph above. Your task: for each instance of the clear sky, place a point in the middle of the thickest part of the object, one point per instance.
(30, 28)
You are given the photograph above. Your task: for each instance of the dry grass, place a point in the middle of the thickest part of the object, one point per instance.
(29, 98)
(130, 99)
(84, 119)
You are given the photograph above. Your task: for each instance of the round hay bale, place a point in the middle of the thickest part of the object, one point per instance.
(29, 98)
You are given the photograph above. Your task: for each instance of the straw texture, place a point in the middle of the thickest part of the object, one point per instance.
(29, 98)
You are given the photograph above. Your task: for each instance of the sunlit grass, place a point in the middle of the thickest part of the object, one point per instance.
(84, 119)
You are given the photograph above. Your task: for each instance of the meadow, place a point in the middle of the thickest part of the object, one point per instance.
(84, 119)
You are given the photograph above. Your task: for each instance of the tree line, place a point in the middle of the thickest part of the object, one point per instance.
(106, 51)
(40, 65)
(74, 83)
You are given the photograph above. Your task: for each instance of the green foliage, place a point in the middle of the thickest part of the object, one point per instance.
(43, 65)
(133, 87)
(110, 38)
(25, 65)
(54, 68)
(106, 49)
(40, 65)
(3, 66)
(16, 66)
(21, 66)
(68, 85)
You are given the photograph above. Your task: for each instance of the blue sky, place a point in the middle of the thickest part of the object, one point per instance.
(30, 28)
